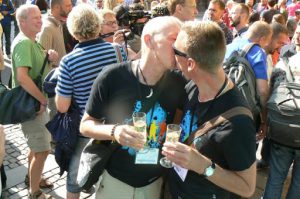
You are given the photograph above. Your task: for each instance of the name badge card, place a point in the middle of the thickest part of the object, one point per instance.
(147, 156)
(182, 172)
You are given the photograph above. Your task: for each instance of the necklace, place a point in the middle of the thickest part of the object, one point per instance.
(151, 90)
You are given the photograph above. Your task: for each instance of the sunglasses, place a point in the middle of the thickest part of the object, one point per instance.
(179, 53)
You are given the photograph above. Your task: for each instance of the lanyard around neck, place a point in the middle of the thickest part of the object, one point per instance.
(210, 103)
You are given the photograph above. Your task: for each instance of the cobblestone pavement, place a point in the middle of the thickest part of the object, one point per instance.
(15, 164)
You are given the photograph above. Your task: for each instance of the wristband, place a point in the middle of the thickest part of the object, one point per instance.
(112, 133)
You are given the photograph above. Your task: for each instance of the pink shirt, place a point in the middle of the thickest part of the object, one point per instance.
(292, 8)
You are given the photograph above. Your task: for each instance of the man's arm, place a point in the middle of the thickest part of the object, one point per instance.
(238, 182)
(123, 134)
(263, 91)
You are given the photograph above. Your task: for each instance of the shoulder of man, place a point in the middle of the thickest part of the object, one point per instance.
(49, 20)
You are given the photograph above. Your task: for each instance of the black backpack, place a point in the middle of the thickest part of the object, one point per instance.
(241, 73)
(284, 108)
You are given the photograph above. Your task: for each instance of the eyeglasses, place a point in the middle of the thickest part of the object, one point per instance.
(179, 53)
(110, 23)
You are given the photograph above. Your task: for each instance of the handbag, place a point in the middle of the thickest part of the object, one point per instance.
(93, 160)
(16, 104)
(50, 82)
(64, 128)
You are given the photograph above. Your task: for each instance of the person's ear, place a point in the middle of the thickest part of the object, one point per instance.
(178, 8)
(148, 41)
(191, 64)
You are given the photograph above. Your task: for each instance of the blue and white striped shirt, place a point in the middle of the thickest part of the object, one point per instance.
(79, 69)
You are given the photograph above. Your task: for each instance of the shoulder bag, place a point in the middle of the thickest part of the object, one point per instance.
(17, 105)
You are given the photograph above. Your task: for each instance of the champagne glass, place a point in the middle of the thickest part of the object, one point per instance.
(140, 124)
(172, 135)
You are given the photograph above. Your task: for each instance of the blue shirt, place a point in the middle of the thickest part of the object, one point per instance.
(256, 57)
(6, 6)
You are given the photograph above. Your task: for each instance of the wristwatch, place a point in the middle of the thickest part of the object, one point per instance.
(209, 171)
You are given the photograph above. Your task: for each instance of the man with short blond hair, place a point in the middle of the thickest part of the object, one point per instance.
(222, 161)
(259, 33)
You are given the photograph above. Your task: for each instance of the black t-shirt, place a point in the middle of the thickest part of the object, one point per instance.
(230, 145)
(115, 95)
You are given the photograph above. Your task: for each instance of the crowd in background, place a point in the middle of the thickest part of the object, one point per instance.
(83, 36)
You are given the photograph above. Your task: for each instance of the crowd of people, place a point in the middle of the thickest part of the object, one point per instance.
(115, 58)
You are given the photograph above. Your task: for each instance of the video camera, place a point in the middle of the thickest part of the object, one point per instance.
(135, 17)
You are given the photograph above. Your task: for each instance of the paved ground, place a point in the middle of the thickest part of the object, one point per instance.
(15, 164)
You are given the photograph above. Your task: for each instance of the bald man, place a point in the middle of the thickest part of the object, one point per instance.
(146, 80)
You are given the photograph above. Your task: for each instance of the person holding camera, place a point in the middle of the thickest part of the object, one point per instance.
(110, 32)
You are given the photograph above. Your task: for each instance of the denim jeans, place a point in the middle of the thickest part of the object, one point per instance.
(281, 158)
(6, 34)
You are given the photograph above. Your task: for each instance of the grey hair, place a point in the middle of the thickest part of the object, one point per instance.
(23, 11)
(103, 12)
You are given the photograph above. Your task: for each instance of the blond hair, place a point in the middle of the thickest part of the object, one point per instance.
(258, 30)
(83, 22)
(205, 44)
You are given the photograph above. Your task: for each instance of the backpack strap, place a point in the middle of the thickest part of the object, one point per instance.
(289, 75)
(246, 49)
(216, 121)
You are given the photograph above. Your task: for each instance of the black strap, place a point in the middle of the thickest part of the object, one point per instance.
(43, 67)
(38, 80)
(216, 121)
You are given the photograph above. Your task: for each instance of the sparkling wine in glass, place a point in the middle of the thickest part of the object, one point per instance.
(172, 135)
(140, 124)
